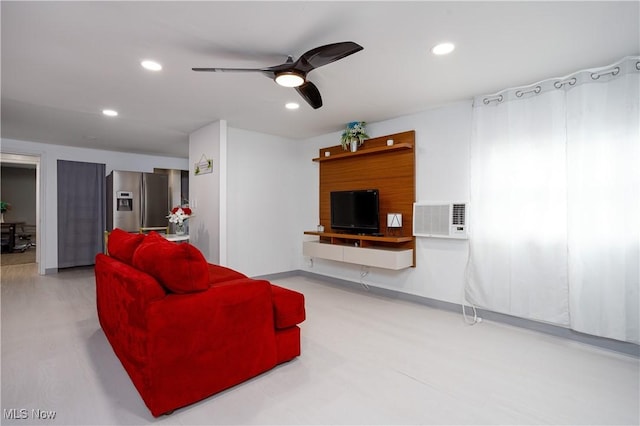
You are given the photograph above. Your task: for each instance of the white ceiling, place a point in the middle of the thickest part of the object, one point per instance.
(63, 62)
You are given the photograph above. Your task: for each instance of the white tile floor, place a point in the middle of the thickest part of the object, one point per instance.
(365, 360)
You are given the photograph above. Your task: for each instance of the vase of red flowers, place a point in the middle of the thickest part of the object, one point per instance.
(179, 216)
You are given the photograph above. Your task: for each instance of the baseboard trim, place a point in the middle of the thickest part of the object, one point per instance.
(618, 346)
(279, 275)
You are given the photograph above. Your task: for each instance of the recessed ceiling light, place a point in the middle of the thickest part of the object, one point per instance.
(110, 112)
(292, 105)
(443, 48)
(151, 65)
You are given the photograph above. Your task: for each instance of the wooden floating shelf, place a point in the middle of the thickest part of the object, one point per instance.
(361, 152)
(355, 237)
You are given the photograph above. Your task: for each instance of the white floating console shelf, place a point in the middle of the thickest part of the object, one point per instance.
(361, 250)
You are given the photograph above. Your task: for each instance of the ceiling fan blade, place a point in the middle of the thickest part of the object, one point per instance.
(324, 55)
(228, 69)
(266, 71)
(311, 94)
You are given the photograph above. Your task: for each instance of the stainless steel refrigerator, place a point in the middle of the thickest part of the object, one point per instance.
(136, 200)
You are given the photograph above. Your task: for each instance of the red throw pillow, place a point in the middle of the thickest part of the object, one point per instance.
(121, 245)
(181, 268)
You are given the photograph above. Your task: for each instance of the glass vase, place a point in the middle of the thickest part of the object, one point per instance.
(180, 228)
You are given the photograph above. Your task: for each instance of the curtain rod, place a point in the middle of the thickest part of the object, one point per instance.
(614, 71)
(623, 66)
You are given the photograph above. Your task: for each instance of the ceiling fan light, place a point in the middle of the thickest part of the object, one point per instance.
(289, 79)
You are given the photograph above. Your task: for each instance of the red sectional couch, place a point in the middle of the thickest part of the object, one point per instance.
(185, 329)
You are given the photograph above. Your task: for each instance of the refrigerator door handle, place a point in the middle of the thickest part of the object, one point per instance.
(141, 201)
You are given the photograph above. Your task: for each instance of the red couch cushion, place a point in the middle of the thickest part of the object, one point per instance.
(222, 274)
(288, 307)
(121, 245)
(181, 268)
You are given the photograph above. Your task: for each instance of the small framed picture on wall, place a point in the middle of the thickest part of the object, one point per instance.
(203, 166)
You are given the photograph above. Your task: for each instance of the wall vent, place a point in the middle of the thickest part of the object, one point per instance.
(440, 220)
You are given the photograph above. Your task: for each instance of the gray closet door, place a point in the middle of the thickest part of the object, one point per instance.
(81, 212)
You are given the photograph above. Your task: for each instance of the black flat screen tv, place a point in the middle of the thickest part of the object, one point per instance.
(355, 212)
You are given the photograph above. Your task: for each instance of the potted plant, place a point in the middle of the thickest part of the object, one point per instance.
(4, 206)
(354, 136)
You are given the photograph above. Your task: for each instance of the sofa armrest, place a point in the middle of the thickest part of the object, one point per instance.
(139, 285)
(288, 307)
(214, 339)
(122, 294)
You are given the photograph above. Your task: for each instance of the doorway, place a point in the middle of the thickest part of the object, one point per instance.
(20, 194)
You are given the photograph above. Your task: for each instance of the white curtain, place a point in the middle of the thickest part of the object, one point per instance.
(555, 202)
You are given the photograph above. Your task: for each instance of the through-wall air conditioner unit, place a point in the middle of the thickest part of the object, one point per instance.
(440, 220)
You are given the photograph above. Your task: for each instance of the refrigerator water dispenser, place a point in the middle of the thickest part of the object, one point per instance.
(124, 201)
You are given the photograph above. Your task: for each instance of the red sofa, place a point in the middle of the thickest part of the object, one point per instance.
(185, 329)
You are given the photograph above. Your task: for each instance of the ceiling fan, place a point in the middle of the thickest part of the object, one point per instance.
(294, 73)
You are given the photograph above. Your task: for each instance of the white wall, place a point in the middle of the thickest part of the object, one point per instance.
(442, 166)
(246, 211)
(263, 200)
(207, 191)
(49, 155)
